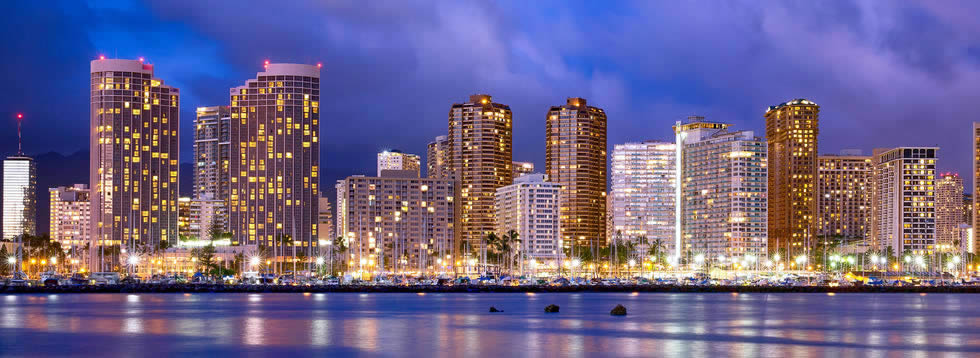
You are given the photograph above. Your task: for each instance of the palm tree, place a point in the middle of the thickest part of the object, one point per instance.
(513, 243)
(490, 241)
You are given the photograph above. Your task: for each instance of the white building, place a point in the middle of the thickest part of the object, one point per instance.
(904, 199)
(19, 196)
(396, 160)
(530, 207)
(70, 215)
(643, 179)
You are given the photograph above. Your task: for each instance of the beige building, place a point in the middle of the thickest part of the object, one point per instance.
(275, 159)
(530, 207)
(325, 224)
(481, 152)
(575, 158)
(791, 132)
(396, 160)
(521, 168)
(398, 223)
(70, 215)
(949, 208)
(198, 215)
(135, 119)
(643, 199)
(904, 200)
(438, 158)
(844, 196)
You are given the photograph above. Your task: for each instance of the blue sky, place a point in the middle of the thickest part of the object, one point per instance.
(886, 73)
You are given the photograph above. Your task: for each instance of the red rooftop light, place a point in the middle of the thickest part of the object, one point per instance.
(20, 116)
(318, 65)
(141, 59)
(102, 57)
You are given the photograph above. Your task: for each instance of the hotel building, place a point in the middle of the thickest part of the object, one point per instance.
(70, 215)
(135, 119)
(275, 159)
(575, 158)
(530, 207)
(975, 213)
(398, 222)
(949, 208)
(438, 158)
(904, 200)
(19, 196)
(211, 152)
(791, 131)
(396, 160)
(521, 168)
(481, 155)
(844, 197)
(643, 180)
(723, 213)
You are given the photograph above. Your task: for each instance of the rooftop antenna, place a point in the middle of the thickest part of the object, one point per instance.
(20, 119)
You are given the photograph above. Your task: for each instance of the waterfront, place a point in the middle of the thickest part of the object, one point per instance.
(458, 324)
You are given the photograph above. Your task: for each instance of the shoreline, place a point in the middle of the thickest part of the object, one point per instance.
(220, 288)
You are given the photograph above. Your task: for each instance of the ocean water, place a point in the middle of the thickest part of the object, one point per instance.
(459, 325)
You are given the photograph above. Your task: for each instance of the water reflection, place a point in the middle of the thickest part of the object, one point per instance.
(449, 325)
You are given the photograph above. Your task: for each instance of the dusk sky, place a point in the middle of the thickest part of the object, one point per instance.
(885, 73)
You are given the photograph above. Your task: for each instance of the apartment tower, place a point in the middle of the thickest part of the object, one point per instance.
(530, 208)
(844, 197)
(904, 212)
(643, 179)
(791, 131)
(437, 158)
(71, 215)
(575, 158)
(949, 209)
(212, 143)
(396, 160)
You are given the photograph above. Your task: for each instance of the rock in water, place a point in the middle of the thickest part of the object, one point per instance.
(619, 310)
(494, 309)
(551, 309)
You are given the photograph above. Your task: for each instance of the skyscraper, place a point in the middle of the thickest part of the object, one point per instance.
(844, 197)
(211, 152)
(135, 119)
(71, 215)
(438, 158)
(521, 168)
(723, 192)
(325, 223)
(949, 208)
(19, 196)
(396, 160)
(575, 158)
(903, 199)
(643, 179)
(791, 131)
(530, 207)
(975, 214)
(481, 152)
(275, 159)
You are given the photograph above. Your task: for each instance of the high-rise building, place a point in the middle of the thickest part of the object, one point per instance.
(275, 159)
(975, 213)
(396, 160)
(575, 158)
(844, 197)
(211, 152)
(530, 208)
(325, 229)
(949, 208)
(19, 196)
(398, 223)
(481, 152)
(643, 179)
(791, 131)
(967, 209)
(903, 199)
(723, 192)
(198, 215)
(521, 168)
(135, 119)
(70, 215)
(438, 158)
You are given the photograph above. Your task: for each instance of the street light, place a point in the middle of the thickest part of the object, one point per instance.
(319, 261)
(254, 261)
(11, 260)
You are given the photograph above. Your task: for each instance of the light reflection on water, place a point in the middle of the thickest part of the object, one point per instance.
(451, 325)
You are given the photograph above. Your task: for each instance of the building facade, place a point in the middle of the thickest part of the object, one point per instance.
(575, 158)
(904, 199)
(198, 215)
(723, 193)
(325, 224)
(70, 215)
(975, 213)
(275, 159)
(481, 151)
(844, 197)
(438, 158)
(643, 199)
(19, 196)
(396, 160)
(521, 168)
(791, 131)
(398, 223)
(212, 159)
(135, 119)
(530, 207)
(949, 208)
